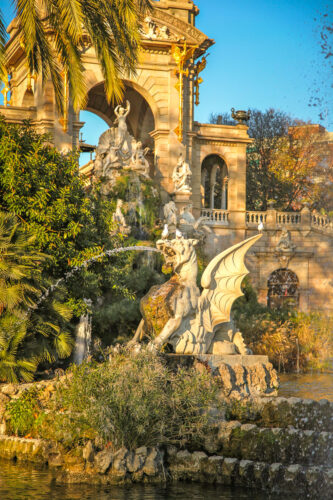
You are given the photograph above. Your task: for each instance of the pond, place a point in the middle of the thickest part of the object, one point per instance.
(18, 482)
(310, 386)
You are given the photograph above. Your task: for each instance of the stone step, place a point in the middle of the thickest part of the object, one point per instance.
(294, 480)
(288, 446)
(305, 414)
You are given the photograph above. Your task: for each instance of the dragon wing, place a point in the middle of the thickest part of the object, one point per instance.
(221, 283)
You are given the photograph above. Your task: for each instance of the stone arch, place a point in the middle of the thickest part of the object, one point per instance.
(28, 99)
(283, 288)
(141, 121)
(214, 189)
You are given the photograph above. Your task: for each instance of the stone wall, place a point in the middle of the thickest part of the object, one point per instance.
(278, 445)
(310, 259)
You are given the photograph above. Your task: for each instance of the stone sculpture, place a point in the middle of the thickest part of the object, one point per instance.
(175, 313)
(122, 132)
(139, 162)
(170, 213)
(117, 150)
(191, 227)
(182, 177)
(285, 248)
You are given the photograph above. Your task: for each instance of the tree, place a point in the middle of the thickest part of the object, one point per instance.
(25, 338)
(112, 26)
(287, 162)
(221, 119)
(72, 224)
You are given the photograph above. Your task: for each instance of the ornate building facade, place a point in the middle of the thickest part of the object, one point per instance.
(162, 95)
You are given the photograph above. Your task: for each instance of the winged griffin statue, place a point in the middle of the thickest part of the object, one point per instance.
(176, 313)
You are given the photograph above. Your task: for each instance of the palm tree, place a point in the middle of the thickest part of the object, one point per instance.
(19, 265)
(28, 335)
(111, 25)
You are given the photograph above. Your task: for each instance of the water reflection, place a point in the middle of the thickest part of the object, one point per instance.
(19, 482)
(310, 386)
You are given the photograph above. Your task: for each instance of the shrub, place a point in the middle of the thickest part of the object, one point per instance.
(293, 341)
(133, 400)
(23, 412)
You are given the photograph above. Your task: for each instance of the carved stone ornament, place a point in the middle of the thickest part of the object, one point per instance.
(152, 31)
(181, 177)
(285, 249)
(175, 313)
(117, 150)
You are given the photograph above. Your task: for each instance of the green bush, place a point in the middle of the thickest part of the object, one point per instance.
(133, 400)
(23, 413)
(293, 341)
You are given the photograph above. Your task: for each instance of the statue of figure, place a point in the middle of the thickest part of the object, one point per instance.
(139, 161)
(186, 216)
(165, 33)
(191, 227)
(170, 213)
(118, 216)
(285, 248)
(151, 34)
(175, 313)
(182, 176)
(285, 244)
(122, 132)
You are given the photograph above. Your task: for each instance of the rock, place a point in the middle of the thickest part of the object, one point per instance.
(229, 470)
(9, 390)
(55, 460)
(103, 460)
(157, 306)
(153, 463)
(88, 452)
(135, 461)
(239, 380)
(119, 461)
(3, 403)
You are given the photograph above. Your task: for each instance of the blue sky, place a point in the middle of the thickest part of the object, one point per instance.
(267, 54)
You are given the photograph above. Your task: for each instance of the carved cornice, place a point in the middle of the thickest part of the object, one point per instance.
(191, 33)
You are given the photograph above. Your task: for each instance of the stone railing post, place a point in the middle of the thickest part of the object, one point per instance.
(306, 217)
(271, 215)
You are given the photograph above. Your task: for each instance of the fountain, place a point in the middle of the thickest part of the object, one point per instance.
(191, 323)
(83, 336)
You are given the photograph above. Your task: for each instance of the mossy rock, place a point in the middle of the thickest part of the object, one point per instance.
(157, 306)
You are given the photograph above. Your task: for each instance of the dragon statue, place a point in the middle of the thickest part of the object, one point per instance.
(176, 313)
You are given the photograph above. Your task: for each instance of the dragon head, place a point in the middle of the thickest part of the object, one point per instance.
(178, 252)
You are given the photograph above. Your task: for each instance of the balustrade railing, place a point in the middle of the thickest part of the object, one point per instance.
(288, 218)
(321, 221)
(254, 218)
(215, 216)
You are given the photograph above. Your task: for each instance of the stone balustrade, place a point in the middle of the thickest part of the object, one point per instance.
(214, 216)
(254, 218)
(321, 221)
(288, 218)
(270, 218)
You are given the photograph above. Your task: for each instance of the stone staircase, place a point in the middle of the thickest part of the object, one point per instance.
(282, 446)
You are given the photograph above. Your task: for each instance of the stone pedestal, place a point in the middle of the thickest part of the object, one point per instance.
(239, 376)
(182, 200)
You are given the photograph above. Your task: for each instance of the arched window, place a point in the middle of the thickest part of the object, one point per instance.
(283, 289)
(214, 183)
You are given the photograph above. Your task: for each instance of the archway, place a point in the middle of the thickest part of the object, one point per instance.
(283, 289)
(140, 121)
(214, 183)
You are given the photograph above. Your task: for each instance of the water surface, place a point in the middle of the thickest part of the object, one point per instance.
(18, 482)
(310, 386)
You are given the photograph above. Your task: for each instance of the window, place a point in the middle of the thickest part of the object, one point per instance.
(214, 183)
(283, 289)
